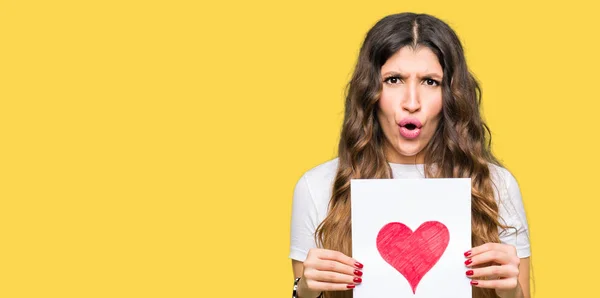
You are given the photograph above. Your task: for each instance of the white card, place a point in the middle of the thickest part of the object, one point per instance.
(411, 235)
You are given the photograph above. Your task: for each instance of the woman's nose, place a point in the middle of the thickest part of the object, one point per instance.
(411, 102)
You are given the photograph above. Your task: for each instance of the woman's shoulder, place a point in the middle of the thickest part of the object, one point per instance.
(323, 171)
(317, 183)
(507, 193)
(502, 178)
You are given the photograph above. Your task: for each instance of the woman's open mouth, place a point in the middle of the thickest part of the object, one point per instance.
(410, 128)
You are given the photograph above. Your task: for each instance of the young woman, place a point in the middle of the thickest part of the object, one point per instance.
(412, 110)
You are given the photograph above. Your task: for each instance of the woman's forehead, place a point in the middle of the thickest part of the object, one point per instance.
(413, 61)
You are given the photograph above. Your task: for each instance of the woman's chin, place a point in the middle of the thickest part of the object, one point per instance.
(403, 152)
(408, 151)
(404, 155)
(409, 155)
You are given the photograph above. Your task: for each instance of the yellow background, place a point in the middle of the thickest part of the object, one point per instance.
(150, 148)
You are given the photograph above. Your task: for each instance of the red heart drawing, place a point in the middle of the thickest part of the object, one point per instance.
(413, 254)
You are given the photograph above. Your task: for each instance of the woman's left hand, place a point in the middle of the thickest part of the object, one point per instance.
(494, 266)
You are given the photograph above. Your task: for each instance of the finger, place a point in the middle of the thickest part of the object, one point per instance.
(493, 272)
(340, 257)
(334, 277)
(335, 266)
(502, 284)
(326, 286)
(495, 256)
(490, 247)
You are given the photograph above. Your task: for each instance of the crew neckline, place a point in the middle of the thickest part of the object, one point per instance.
(404, 166)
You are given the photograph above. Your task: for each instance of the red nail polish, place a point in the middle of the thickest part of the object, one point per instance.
(469, 272)
(468, 253)
(357, 280)
(468, 262)
(474, 282)
(358, 272)
(358, 265)
(350, 286)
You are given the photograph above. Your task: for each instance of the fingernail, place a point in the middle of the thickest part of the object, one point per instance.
(359, 265)
(350, 286)
(474, 283)
(358, 272)
(468, 253)
(468, 262)
(469, 272)
(357, 280)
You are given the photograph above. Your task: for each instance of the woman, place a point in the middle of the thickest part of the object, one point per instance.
(412, 110)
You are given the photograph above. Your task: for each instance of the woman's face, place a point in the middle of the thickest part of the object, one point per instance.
(410, 103)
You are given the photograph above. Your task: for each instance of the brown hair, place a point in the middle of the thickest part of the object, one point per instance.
(459, 148)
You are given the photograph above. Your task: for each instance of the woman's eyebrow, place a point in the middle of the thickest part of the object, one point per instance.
(433, 75)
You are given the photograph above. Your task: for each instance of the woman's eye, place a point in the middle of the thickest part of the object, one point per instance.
(392, 80)
(432, 82)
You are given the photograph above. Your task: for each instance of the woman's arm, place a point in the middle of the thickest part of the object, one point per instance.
(524, 277)
(297, 267)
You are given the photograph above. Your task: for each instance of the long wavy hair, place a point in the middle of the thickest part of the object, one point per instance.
(459, 148)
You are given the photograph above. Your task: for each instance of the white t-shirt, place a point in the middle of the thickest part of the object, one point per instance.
(313, 192)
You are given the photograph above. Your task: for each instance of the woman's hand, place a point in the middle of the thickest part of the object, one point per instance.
(495, 266)
(328, 270)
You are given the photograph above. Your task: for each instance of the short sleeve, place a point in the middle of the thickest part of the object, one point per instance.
(512, 214)
(304, 221)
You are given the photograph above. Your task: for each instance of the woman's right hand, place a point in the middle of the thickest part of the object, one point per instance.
(328, 270)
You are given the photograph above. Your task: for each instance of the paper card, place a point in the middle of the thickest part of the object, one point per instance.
(411, 235)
